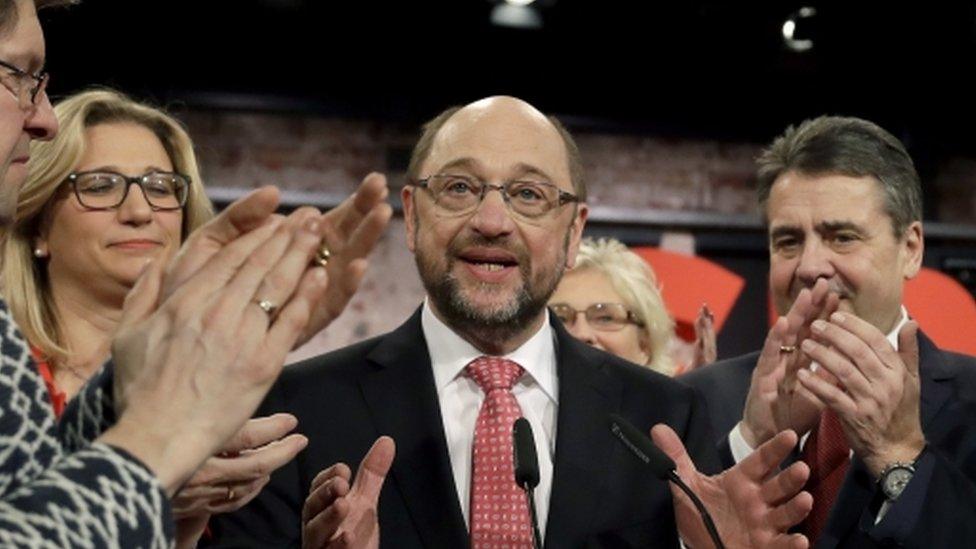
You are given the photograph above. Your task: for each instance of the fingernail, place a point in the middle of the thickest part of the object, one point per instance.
(313, 225)
(838, 318)
(818, 326)
(802, 373)
(808, 345)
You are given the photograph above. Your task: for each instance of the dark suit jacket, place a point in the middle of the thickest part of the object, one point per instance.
(938, 508)
(602, 496)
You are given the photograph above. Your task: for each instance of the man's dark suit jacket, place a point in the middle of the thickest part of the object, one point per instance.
(938, 508)
(602, 496)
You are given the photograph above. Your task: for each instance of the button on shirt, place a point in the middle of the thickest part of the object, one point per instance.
(460, 399)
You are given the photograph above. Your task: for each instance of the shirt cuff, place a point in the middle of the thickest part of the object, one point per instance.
(737, 444)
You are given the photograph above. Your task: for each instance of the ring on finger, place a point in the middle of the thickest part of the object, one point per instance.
(322, 256)
(268, 307)
(787, 349)
(230, 493)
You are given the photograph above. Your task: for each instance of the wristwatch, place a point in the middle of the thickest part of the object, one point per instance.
(894, 478)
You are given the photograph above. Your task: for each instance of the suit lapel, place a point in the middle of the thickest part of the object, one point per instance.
(859, 486)
(934, 373)
(402, 399)
(586, 397)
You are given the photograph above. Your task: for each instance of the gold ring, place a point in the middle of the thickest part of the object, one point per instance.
(787, 349)
(268, 307)
(322, 256)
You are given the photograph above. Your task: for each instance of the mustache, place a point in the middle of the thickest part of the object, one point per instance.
(834, 286)
(502, 243)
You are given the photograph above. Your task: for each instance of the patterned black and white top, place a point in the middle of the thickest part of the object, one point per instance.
(57, 487)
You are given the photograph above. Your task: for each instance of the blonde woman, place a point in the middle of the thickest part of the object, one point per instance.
(610, 299)
(116, 187)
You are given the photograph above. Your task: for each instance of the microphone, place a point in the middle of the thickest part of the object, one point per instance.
(661, 465)
(527, 470)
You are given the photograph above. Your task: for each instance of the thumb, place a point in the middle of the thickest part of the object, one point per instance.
(668, 442)
(143, 298)
(908, 346)
(374, 467)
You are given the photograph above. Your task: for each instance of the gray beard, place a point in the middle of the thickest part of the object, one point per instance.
(500, 324)
(486, 329)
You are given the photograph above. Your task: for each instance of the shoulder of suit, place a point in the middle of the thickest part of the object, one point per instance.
(630, 374)
(741, 365)
(349, 357)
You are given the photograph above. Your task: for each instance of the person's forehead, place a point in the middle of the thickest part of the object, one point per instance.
(586, 286)
(507, 139)
(825, 195)
(22, 44)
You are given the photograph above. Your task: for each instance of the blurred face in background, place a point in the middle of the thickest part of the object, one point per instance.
(595, 313)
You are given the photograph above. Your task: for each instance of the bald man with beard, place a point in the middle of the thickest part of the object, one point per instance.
(482, 349)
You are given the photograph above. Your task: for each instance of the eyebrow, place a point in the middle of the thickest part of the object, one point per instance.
(465, 163)
(824, 227)
(784, 230)
(25, 60)
(119, 170)
(528, 169)
(470, 164)
(834, 226)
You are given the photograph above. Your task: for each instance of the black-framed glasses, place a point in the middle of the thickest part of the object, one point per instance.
(606, 317)
(105, 190)
(25, 86)
(461, 194)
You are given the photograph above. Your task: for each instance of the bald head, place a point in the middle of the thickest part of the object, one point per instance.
(500, 128)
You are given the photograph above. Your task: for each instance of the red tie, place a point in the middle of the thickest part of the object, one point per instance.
(828, 454)
(499, 511)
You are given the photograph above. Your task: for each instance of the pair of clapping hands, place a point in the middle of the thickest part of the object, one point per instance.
(873, 388)
(202, 339)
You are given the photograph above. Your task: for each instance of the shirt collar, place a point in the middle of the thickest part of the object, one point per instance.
(450, 353)
(893, 334)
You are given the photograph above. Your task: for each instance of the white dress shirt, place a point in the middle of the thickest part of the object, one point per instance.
(460, 400)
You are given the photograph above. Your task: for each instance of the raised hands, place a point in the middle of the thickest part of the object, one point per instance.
(199, 346)
(339, 515)
(776, 401)
(350, 230)
(876, 392)
(753, 504)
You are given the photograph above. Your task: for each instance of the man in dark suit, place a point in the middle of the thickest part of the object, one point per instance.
(889, 419)
(489, 262)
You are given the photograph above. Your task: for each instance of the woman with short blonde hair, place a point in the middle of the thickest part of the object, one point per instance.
(617, 293)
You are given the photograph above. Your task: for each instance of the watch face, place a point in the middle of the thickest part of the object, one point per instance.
(895, 481)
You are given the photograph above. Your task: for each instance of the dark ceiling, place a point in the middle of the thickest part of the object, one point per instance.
(705, 69)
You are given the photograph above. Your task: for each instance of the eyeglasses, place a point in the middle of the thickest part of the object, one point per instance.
(461, 194)
(104, 190)
(25, 86)
(606, 317)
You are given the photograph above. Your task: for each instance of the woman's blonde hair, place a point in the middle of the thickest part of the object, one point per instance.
(634, 280)
(25, 283)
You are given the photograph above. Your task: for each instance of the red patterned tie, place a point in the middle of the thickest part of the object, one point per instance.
(828, 455)
(499, 511)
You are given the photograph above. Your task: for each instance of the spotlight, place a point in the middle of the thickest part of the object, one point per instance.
(796, 29)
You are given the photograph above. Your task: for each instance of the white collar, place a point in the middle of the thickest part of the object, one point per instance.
(893, 334)
(450, 353)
